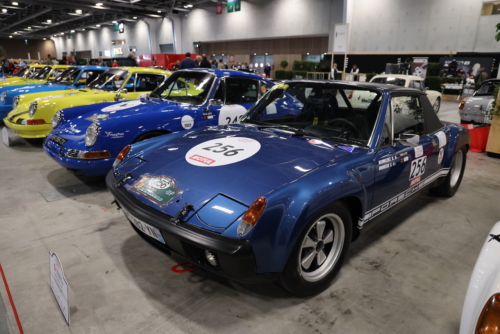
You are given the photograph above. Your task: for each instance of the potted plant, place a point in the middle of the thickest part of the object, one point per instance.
(493, 144)
(284, 64)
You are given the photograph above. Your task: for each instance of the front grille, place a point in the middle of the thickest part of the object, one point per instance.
(71, 153)
(197, 255)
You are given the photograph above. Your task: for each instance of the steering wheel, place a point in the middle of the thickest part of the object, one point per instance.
(344, 123)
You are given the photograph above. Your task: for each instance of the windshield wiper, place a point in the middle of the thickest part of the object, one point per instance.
(344, 140)
(296, 132)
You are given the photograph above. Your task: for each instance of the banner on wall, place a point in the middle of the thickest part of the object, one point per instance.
(340, 38)
(218, 9)
(233, 6)
(459, 66)
(419, 66)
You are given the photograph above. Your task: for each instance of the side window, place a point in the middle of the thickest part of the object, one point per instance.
(240, 91)
(408, 115)
(148, 82)
(264, 87)
(219, 94)
(385, 139)
(416, 84)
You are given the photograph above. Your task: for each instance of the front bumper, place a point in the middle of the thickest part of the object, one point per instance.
(481, 118)
(29, 131)
(98, 167)
(235, 257)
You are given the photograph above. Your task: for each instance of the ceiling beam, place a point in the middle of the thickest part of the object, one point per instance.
(26, 19)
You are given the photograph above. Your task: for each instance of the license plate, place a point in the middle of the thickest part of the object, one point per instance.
(151, 231)
(58, 140)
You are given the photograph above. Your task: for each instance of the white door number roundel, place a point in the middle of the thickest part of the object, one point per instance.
(222, 151)
(231, 114)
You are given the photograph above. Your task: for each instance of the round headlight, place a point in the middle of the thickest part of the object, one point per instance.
(32, 110)
(3, 97)
(56, 119)
(15, 102)
(91, 134)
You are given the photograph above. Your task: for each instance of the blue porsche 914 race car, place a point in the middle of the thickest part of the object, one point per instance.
(86, 139)
(283, 194)
(73, 77)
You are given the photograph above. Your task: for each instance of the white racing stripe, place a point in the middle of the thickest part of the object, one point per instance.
(369, 215)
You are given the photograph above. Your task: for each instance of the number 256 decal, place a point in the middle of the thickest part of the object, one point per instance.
(418, 167)
(218, 148)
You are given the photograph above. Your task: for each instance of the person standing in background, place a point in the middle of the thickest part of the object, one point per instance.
(404, 68)
(188, 62)
(115, 64)
(481, 77)
(267, 70)
(204, 62)
(54, 61)
(221, 65)
(355, 71)
(130, 60)
(100, 62)
(335, 71)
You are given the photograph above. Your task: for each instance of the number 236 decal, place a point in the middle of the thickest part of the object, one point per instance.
(418, 167)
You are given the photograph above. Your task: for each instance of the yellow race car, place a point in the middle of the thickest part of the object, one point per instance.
(32, 114)
(36, 74)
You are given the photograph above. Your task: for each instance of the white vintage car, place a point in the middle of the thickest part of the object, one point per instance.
(408, 81)
(481, 311)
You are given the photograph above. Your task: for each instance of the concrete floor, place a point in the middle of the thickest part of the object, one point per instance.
(406, 275)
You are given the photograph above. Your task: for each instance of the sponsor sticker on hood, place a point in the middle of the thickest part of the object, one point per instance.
(98, 117)
(122, 106)
(222, 151)
(159, 189)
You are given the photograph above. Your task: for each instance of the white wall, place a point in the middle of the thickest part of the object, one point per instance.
(421, 26)
(136, 34)
(261, 20)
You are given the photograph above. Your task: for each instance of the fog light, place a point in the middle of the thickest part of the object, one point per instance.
(211, 258)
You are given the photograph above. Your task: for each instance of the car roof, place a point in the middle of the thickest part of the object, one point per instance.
(85, 67)
(221, 73)
(364, 85)
(58, 66)
(141, 69)
(398, 76)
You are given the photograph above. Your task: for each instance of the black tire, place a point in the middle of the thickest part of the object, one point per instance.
(437, 105)
(304, 282)
(451, 183)
(149, 135)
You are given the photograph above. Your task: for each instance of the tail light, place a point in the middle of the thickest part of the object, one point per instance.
(489, 320)
(121, 155)
(33, 121)
(462, 104)
(350, 94)
(252, 215)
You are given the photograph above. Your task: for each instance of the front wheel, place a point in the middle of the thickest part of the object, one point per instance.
(452, 181)
(319, 252)
(437, 105)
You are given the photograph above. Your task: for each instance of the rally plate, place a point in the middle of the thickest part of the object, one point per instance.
(147, 229)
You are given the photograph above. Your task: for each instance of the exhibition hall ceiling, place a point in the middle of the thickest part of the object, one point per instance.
(42, 19)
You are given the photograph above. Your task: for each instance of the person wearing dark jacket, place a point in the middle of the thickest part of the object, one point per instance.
(204, 62)
(130, 60)
(188, 62)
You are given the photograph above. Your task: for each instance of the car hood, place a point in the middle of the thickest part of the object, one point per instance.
(26, 89)
(268, 159)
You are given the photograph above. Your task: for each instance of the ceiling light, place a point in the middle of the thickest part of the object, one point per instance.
(72, 31)
(44, 39)
(114, 22)
(99, 4)
(15, 4)
(10, 36)
(135, 17)
(159, 11)
(78, 11)
(97, 25)
(49, 21)
(29, 27)
(83, 29)
(189, 6)
(4, 10)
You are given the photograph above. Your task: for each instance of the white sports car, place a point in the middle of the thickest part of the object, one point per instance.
(481, 312)
(408, 81)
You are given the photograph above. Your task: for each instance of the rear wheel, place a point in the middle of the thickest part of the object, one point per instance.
(319, 253)
(452, 181)
(437, 105)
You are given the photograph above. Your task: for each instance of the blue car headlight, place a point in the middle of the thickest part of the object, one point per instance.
(56, 119)
(16, 102)
(3, 97)
(91, 134)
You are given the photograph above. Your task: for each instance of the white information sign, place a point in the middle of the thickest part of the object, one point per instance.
(222, 151)
(442, 138)
(60, 286)
(5, 136)
(340, 38)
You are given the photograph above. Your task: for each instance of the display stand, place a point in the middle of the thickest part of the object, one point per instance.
(454, 87)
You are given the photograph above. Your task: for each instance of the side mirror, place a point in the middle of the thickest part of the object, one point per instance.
(409, 139)
(426, 88)
(214, 103)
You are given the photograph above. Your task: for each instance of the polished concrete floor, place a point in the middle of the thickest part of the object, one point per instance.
(408, 274)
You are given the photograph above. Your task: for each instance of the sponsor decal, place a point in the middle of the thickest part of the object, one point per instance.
(122, 105)
(315, 141)
(114, 135)
(415, 180)
(207, 115)
(441, 155)
(419, 151)
(441, 138)
(187, 122)
(159, 189)
(231, 114)
(495, 237)
(418, 167)
(346, 148)
(222, 151)
(386, 166)
(98, 117)
(386, 160)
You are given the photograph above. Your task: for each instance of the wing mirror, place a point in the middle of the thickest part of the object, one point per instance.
(426, 88)
(408, 139)
(214, 103)
(124, 90)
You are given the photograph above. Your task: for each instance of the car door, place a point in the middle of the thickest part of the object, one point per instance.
(404, 166)
(234, 96)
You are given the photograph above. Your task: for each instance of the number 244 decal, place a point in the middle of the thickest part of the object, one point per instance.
(224, 149)
(418, 167)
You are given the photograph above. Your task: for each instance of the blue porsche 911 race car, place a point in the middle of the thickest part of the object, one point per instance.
(282, 195)
(72, 78)
(86, 139)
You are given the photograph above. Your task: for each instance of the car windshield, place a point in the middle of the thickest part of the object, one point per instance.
(68, 77)
(111, 80)
(21, 72)
(42, 74)
(190, 87)
(487, 88)
(33, 71)
(335, 112)
(390, 81)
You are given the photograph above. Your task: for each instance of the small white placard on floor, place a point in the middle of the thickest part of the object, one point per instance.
(60, 287)
(5, 136)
